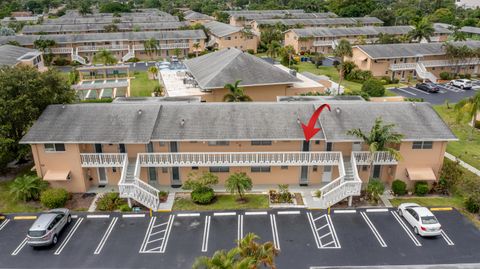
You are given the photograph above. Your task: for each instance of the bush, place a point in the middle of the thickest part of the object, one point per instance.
(54, 198)
(61, 62)
(27, 187)
(124, 208)
(399, 187)
(109, 202)
(251, 51)
(387, 79)
(375, 188)
(450, 175)
(472, 203)
(133, 60)
(203, 195)
(421, 188)
(373, 87)
(445, 75)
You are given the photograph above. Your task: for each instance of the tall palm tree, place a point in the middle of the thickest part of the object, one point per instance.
(380, 138)
(342, 50)
(457, 54)
(236, 93)
(196, 46)
(238, 183)
(422, 29)
(105, 56)
(273, 49)
(468, 110)
(151, 46)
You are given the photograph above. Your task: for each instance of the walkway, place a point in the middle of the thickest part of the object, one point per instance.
(464, 164)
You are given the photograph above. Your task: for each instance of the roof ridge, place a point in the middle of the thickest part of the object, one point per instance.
(227, 63)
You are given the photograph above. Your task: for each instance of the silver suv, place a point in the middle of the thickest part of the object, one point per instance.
(46, 229)
(461, 83)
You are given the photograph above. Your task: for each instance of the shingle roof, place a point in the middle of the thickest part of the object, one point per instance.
(9, 54)
(92, 37)
(193, 15)
(121, 122)
(267, 11)
(385, 51)
(264, 16)
(214, 70)
(350, 31)
(321, 22)
(94, 123)
(418, 121)
(221, 29)
(470, 30)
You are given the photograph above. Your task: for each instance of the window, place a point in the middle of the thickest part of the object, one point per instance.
(260, 169)
(422, 145)
(317, 142)
(114, 169)
(315, 168)
(329, 146)
(219, 169)
(261, 143)
(284, 167)
(54, 147)
(218, 143)
(194, 167)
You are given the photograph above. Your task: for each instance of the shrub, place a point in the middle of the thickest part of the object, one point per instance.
(318, 193)
(373, 87)
(399, 187)
(375, 188)
(387, 79)
(445, 75)
(54, 198)
(395, 81)
(472, 203)
(109, 202)
(133, 60)
(421, 188)
(61, 62)
(125, 208)
(27, 187)
(450, 174)
(251, 51)
(202, 195)
(413, 99)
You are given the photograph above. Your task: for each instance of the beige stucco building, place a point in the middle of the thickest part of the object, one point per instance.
(13, 56)
(141, 147)
(222, 35)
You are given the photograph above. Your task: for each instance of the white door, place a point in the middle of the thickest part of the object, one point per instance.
(102, 176)
(327, 174)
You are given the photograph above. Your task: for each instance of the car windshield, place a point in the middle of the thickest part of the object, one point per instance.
(36, 233)
(429, 220)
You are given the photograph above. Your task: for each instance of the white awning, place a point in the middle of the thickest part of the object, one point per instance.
(424, 173)
(57, 175)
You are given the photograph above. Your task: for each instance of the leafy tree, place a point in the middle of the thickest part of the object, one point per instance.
(85, 8)
(45, 45)
(151, 46)
(342, 50)
(443, 15)
(352, 8)
(221, 16)
(201, 186)
(468, 110)
(196, 46)
(273, 49)
(380, 138)
(238, 183)
(112, 7)
(373, 87)
(153, 70)
(105, 57)
(24, 94)
(5, 31)
(384, 38)
(422, 29)
(236, 93)
(287, 55)
(27, 187)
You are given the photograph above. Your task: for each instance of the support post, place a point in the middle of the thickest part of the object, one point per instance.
(129, 202)
(350, 201)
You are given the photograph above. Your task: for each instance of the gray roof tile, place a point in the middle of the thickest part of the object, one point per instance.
(221, 29)
(9, 54)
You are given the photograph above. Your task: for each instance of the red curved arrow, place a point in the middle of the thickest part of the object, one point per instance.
(309, 130)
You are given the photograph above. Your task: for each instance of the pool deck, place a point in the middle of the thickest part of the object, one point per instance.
(173, 82)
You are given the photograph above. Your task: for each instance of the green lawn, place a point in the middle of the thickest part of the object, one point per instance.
(223, 202)
(141, 85)
(455, 201)
(468, 150)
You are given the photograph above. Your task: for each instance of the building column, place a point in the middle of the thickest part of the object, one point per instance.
(350, 200)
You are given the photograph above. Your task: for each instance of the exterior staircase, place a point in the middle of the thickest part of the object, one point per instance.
(129, 55)
(78, 58)
(423, 73)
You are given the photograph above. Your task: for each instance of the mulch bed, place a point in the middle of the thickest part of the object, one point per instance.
(298, 197)
(357, 201)
(80, 201)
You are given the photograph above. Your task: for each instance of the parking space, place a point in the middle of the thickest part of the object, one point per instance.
(447, 92)
(305, 238)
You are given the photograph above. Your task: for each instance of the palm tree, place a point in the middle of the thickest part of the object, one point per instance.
(456, 54)
(468, 109)
(273, 49)
(151, 46)
(158, 90)
(152, 72)
(287, 54)
(342, 50)
(105, 56)
(27, 187)
(262, 254)
(457, 34)
(422, 29)
(177, 52)
(236, 93)
(221, 259)
(196, 46)
(380, 138)
(238, 183)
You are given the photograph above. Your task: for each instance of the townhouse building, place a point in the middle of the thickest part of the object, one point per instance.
(193, 17)
(324, 39)
(222, 35)
(13, 56)
(246, 17)
(416, 60)
(123, 45)
(141, 147)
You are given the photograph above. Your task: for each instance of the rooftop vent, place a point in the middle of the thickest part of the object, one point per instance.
(182, 122)
(139, 112)
(338, 110)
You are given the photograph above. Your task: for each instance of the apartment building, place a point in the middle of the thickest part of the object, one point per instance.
(206, 76)
(222, 35)
(467, 4)
(124, 45)
(193, 17)
(324, 40)
(417, 60)
(142, 147)
(246, 17)
(13, 55)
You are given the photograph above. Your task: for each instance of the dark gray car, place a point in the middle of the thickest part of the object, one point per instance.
(46, 229)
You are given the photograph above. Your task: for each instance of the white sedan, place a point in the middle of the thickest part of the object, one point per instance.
(421, 219)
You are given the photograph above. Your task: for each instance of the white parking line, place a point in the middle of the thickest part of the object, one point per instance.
(74, 216)
(288, 212)
(206, 232)
(374, 230)
(22, 244)
(335, 237)
(68, 237)
(167, 235)
(255, 213)
(405, 91)
(344, 211)
(273, 223)
(406, 228)
(147, 235)
(188, 215)
(98, 216)
(415, 89)
(133, 216)
(314, 229)
(327, 230)
(447, 239)
(377, 210)
(4, 223)
(224, 213)
(105, 236)
(240, 227)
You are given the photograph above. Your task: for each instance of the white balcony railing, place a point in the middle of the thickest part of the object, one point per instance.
(61, 50)
(238, 159)
(100, 47)
(403, 66)
(438, 63)
(182, 45)
(378, 158)
(322, 43)
(102, 159)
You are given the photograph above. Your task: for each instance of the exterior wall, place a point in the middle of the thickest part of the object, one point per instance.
(237, 40)
(257, 93)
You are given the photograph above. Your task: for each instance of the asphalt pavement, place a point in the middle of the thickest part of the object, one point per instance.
(447, 92)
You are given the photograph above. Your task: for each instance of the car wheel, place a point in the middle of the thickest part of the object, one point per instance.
(400, 212)
(415, 230)
(54, 240)
(69, 219)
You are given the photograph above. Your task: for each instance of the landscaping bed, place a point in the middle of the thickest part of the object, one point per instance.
(222, 201)
(357, 201)
(80, 201)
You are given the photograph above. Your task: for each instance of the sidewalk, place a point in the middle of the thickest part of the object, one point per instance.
(462, 163)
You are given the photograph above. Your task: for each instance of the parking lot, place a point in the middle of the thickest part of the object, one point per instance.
(453, 94)
(305, 239)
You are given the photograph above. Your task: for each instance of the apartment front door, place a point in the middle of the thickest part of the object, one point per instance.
(304, 169)
(176, 182)
(327, 174)
(101, 171)
(377, 169)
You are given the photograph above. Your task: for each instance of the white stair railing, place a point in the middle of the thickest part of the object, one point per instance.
(129, 55)
(423, 73)
(78, 58)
